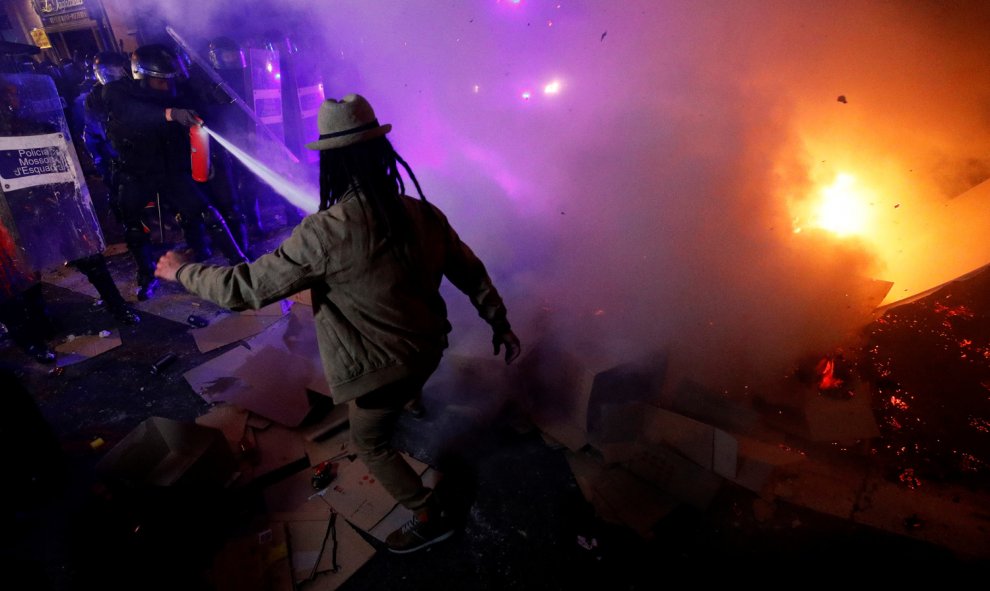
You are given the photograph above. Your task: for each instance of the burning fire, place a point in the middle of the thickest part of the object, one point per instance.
(826, 369)
(844, 209)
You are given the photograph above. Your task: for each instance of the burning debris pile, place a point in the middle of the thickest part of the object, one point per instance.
(929, 363)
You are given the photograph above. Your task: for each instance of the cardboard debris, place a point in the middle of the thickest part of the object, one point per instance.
(255, 562)
(619, 496)
(559, 386)
(758, 460)
(258, 423)
(320, 450)
(359, 497)
(844, 420)
(269, 382)
(305, 539)
(705, 445)
(296, 335)
(332, 421)
(831, 488)
(277, 447)
(626, 386)
(675, 475)
(304, 297)
(586, 471)
(695, 400)
(294, 499)
(85, 347)
(353, 493)
(619, 423)
(229, 419)
(233, 327)
(164, 452)
(951, 516)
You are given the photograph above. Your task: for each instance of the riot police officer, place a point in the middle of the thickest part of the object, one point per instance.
(148, 121)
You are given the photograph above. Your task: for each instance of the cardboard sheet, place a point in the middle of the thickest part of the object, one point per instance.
(620, 495)
(258, 561)
(354, 493)
(359, 497)
(705, 445)
(844, 420)
(270, 382)
(675, 475)
(85, 347)
(305, 539)
(236, 326)
(229, 419)
(277, 447)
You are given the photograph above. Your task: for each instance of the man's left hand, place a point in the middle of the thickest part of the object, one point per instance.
(169, 264)
(510, 341)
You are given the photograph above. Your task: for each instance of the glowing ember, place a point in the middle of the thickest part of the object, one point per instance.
(898, 403)
(826, 369)
(908, 478)
(843, 210)
(951, 311)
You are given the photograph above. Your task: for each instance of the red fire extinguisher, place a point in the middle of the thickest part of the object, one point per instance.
(199, 142)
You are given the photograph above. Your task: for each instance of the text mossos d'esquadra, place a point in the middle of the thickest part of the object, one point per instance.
(32, 161)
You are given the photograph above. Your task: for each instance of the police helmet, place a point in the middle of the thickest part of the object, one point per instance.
(109, 66)
(226, 54)
(157, 61)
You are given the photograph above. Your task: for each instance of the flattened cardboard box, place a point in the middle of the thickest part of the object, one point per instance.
(164, 452)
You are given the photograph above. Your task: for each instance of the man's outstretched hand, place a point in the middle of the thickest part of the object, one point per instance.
(512, 345)
(169, 264)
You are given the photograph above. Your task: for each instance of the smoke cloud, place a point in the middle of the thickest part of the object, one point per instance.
(633, 173)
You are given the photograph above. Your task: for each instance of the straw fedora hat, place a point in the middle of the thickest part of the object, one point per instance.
(350, 120)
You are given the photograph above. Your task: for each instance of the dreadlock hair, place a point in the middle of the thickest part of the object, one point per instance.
(372, 169)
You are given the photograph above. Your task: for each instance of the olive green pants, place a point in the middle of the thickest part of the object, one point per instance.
(373, 418)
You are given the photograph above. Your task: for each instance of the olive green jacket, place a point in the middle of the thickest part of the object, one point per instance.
(379, 314)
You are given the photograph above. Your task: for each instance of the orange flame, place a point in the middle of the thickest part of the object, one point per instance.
(826, 369)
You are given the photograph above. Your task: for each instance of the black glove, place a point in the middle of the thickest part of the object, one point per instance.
(186, 117)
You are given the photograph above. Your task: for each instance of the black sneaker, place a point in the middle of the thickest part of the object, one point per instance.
(146, 288)
(424, 529)
(42, 353)
(125, 315)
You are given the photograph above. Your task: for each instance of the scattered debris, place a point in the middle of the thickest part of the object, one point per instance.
(603, 36)
(587, 543)
(197, 321)
(159, 366)
(913, 522)
(842, 99)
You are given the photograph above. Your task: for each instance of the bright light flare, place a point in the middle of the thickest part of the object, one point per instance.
(844, 209)
(552, 88)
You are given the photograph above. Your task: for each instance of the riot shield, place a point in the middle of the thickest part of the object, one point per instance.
(46, 215)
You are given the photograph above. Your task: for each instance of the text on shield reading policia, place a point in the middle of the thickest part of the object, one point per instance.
(32, 161)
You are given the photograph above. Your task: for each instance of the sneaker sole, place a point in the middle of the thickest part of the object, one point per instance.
(425, 544)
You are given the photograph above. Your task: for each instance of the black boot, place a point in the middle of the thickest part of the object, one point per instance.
(195, 234)
(140, 247)
(95, 269)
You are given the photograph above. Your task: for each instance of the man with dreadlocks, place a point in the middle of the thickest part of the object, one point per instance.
(374, 259)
